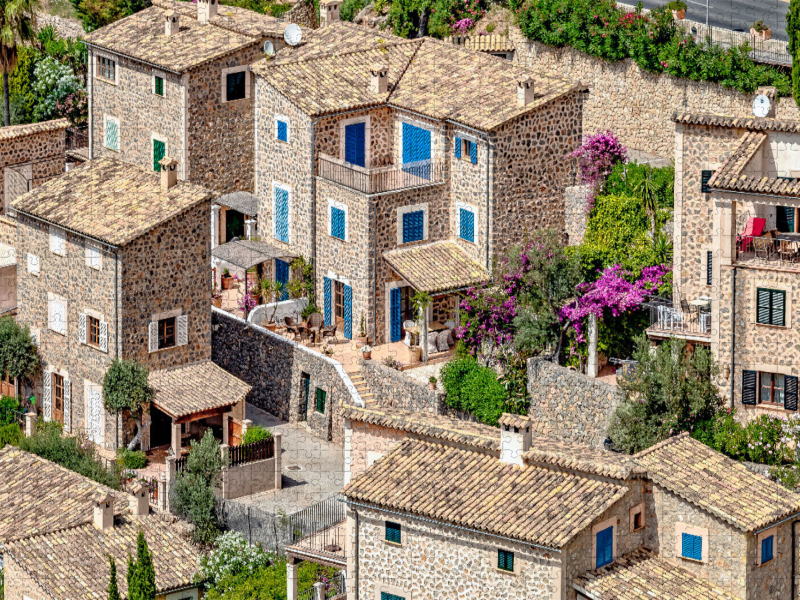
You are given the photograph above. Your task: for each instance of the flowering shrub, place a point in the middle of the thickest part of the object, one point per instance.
(463, 26)
(53, 82)
(247, 302)
(74, 107)
(438, 18)
(392, 363)
(231, 556)
(596, 157)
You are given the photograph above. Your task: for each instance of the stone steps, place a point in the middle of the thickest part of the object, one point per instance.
(363, 390)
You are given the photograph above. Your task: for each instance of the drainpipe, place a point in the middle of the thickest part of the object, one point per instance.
(355, 557)
(488, 152)
(117, 349)
(733, 337)
(794, 552)
(313, 212)
(375, 272)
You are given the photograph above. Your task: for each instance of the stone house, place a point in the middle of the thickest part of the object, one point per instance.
(114, 265)
(736, 237)
(174, 79)
(438, 507)
(401, 166)
(62, 552)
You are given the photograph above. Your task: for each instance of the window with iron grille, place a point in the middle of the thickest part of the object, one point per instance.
(505, 560)
(106, 68)
(166, 333)
(767, 549)
(691, 546)
(235, 86)
(93, 331)
(320, 404)
(771, 307)
(393, 533)
(158, 86)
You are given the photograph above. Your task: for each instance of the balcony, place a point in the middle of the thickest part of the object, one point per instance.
(380, 180)
(780, 250)
(319, 533)
(690, 321)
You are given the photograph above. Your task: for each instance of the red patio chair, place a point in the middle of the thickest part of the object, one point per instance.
(755, 227)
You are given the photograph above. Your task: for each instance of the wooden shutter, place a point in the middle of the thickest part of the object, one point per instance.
(67, 406)
(182, 335)
(327, 300)
(394, 301)
(467, 225)
(763, 311)
(47, 396)
(282, 214)
(159, 151)
(153, 336)
(749, 387)
(709, 267)
(705, 177)
(103, 336)
(790, 392)
(348, 311)
(82, 328)
(457, 148)
(473, 153)
(778, 308)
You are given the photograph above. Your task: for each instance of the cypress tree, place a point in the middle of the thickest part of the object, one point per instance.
(133, 579)
(113, 589)
(793, 31)
(146, 571)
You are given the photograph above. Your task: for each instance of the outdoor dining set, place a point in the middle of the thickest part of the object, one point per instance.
(312, 330)
(769, 245)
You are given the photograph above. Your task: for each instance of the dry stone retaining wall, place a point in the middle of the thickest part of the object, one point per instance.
(393, 389)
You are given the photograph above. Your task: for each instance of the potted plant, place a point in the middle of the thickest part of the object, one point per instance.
(226, 279)
(361, 338)
(414, 354)
(432, 383)
(760, 30)
(366, 352)
(216, 298)
(678, 8)
(421, 301)
(271, 290)
(327, 350)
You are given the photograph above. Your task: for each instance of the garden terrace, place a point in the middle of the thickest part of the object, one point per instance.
(380, 180)
(690, 321)
(319, 533)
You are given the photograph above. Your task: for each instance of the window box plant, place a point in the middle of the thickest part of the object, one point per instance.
(760, 30)
(361, 338)
(678, 8)
(366, 352)
(226, 279)
(432, 383)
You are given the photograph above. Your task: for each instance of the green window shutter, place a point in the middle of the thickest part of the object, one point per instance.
(771, 307)
(159, 86)
(705, 177)
(763, 306)
(709, 267)
(778, 312)
(159, 151)
(393, 533)
(321, 401)
(505, 560)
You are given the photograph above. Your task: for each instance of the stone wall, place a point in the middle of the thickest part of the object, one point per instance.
(393, 389)
(569, 406)
(41, 144)
(364, 443)
(19, 584)
(303, 14)
(274, 367)
(253, 477)
(637, 106)
(8, 231)
(576, 204)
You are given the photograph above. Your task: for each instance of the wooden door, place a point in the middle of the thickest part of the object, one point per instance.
(234, 432)
(58, 398)
(8, 386)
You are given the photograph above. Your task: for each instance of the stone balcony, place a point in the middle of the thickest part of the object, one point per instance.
(380, 180)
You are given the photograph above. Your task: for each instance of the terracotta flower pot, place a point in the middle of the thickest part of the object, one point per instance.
(227, 282)
(217, 302)
(414, 354)
(366, 355)
(764, 34)
(431, 386)
(678, 14)
(272, 326)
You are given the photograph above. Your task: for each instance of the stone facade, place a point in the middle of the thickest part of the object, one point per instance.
(569, 406)
(637, 106)
(576, 215)
(393, 389)
(365, 443)
(36, 151)
(275, 367)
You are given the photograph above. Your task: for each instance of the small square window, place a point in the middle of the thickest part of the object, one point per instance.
(158, 86)
(106, 68)
(691, 546)
(505, 560)
(235, 86)
(166, 333)
(393, 533)
(320, 403)
(771, 307)
(282, 130)
(637, 521)
(767, 549)
(93, 258)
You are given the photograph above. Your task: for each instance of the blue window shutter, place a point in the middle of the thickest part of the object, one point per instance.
(338, 223)
(605, 547)
(282, 214)
(388, 596)
(282, 275)
(473, 152)
(283, 131)
(348, 312)
(394, 301)
(467, 225)
(413, 226)
(691, 546)
(767, 549)
(457, 148)
(417, 150)
(355, 144)
(327, 307)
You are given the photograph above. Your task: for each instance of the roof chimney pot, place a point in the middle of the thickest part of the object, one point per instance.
(525, 91)
(103, 503)
(515, 438)
(206, 10)
(379, 78)
(329, 11)
(171, 26)
(139, 500)
(169, 173)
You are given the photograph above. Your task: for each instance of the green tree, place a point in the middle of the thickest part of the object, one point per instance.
(141, 573)
(113, 586)
(125, 387)
(793, 31)
(648, 192)
(18, 355)
(672, 390)
(17, 25)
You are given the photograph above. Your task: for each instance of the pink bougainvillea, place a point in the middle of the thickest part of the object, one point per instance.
(463, 26)
(596, 157)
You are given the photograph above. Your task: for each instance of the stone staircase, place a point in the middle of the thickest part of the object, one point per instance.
(363, 390)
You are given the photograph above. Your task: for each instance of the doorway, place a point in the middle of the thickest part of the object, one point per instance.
(234, 225)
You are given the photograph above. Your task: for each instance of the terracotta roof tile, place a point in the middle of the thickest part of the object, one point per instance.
(717, 484)
(109, 200)
(485, 43)
(37, 495)
(436, 267)
(512, 420)
(581, 458)
(73, 563)
(7, 133)
(188, 389)
(641, 575)
(752, 123)
(475, 490)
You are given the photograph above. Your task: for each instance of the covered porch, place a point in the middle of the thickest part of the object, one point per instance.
(188, 401)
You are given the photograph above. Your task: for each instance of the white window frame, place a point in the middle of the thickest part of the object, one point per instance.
(164, 79)
(181, 322)
(34, 264)
(58, 241)
(90, 247)
(465, 157)
(422, 125)
(772, 531)
(474, 211)
(288, 122)
(54, 299)
(283, 186)
(83, 329)
(106, 119)
(680, 529)
(88, 387)
(402, 210)
(97, 75)
(367, 120)
(612, 522)
(334, 204)
(230, 70)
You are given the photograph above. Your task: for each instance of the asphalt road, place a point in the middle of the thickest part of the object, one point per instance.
(735, 14)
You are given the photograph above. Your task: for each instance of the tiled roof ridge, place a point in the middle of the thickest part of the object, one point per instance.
(24, 129)
(584, 465)
(169, 5)
(334, 54)
(670, 440)
(186, 365)
(735, 164)
(719, 120)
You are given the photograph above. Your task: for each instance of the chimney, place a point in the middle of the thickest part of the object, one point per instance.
(139, 500)
(525, 91)
(379, 79)
(329, 11)
(206, 10)
(171, 23)
(515, 438)
(169, 173)
(103, 503)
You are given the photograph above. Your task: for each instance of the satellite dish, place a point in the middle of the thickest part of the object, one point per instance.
(269, 49)
(761, 106)
(292, 34)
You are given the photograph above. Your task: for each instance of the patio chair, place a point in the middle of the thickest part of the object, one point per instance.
(764, 246)
(303, 334)
(315, 322)
(432, 342)
(685, 307)
(291, 326)
(330, 331)
(450, 324)
(443, 340)
(406, 326)
(755, 226)
(786, 250)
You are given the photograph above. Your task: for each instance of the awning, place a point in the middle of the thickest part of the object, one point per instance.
(245, 202)
(249, 253)
(436, 267)
(198, 389)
